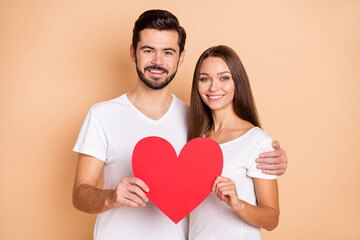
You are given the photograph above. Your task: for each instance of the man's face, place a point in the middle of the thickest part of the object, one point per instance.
(157, 57)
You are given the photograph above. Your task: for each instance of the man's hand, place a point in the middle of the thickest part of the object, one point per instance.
(130, 192)
(275, 162)
(88, 198)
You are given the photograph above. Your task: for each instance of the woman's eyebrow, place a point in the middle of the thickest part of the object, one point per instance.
(224, 72)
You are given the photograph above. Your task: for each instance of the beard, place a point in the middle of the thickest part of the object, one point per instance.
(155, 82)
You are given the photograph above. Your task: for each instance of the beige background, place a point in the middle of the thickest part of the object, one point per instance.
(58, 58)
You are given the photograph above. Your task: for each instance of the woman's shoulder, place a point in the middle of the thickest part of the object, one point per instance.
(258, 136)
(257, 131)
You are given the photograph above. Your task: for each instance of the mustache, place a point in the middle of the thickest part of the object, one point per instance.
(156, 67)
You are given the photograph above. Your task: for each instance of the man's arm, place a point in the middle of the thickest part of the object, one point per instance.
(88, 198)
(274, 162)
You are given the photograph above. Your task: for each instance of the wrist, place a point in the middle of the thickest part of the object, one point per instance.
(110, 200)
(239, 207)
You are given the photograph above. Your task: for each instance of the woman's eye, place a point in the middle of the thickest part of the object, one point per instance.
(224, 78)
(204, 79)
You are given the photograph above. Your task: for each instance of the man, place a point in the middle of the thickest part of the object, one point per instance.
(111, 130)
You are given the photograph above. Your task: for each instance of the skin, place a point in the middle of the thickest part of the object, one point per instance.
(216, 89)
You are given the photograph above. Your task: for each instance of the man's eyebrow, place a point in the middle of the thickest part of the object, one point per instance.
(170, 49)
(165, 49)
(143, 47)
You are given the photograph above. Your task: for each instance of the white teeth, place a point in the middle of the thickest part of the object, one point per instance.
(215, 97)
(156, 71)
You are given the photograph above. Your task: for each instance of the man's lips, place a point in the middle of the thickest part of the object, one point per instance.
(156, 70)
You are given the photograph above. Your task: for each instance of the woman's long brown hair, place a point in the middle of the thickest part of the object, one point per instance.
(200, 118)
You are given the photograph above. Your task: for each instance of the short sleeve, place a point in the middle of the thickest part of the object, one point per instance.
(252, 170)
(92, 139)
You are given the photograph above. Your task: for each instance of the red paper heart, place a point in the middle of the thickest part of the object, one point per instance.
(177, 184)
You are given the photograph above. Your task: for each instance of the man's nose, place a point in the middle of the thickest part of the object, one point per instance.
(157, 58)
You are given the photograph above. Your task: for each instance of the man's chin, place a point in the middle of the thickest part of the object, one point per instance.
(155, 84)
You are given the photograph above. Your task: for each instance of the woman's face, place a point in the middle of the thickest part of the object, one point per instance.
(216, 86)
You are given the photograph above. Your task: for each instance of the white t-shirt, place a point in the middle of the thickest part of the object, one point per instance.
(110, 133)
(214, 219)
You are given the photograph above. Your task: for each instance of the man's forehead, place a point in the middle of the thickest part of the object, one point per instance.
(159, 38)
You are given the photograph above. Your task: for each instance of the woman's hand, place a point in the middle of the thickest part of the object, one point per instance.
(225, 189)
(265, 215)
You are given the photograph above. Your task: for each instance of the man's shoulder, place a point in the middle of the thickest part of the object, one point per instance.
(109, 105)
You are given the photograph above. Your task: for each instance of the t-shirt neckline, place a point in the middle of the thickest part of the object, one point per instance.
(142, 115)
(240, 137)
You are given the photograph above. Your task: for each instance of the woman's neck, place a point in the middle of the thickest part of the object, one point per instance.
(224, 119)
(227, 125)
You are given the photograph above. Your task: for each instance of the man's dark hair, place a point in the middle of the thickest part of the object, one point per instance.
(159, 20)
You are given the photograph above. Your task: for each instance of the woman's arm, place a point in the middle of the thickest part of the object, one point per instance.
(265, 215)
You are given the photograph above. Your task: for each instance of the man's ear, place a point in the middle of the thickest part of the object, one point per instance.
(132, 53)
(182, 56)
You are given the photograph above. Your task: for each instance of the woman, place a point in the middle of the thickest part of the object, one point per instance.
(222, 108)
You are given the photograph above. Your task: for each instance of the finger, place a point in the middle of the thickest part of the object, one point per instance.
(226, 184)
(140, 183)
(271, 160)
(124, 195)
(220, 195)
(279, 166)
(138, 191)
(127, 202)
(218, 190)
(275, 153)
(126, 186)
(215, 183)
(228, 193)
(218, 180)
(276, 144)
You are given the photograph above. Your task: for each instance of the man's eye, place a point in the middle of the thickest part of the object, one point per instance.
(148, 51)
(168, 53)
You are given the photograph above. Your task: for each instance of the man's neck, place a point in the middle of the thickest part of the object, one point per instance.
(152, 103)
